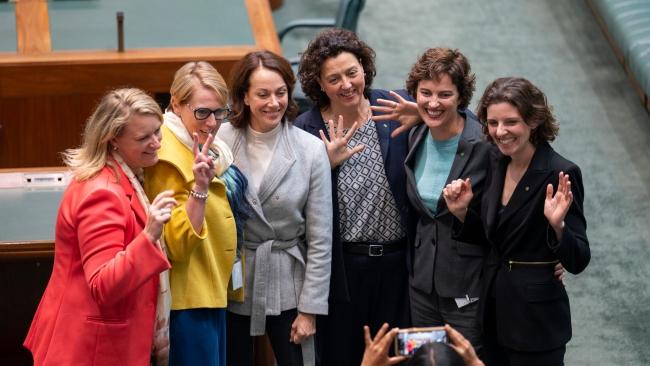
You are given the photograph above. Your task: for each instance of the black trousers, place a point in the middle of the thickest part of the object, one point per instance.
(379, 293)
(239, 344)
(429, 310)
(496, 354)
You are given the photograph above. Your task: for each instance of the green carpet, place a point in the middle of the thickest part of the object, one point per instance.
(603, 128)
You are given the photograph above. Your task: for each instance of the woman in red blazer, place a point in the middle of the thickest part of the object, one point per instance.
(99, 305)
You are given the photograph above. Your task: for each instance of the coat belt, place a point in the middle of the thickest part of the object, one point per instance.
(262, 278)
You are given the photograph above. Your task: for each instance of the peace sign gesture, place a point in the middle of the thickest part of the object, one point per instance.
(203, 166)
(337, 146)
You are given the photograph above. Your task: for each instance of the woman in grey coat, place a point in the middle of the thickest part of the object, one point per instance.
(288, 239)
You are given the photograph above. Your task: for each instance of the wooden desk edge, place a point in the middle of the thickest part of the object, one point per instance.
(26, 250)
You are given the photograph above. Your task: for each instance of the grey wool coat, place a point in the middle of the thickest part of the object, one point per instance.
(288, 238)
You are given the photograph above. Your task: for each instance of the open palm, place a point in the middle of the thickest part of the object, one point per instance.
(557, 205)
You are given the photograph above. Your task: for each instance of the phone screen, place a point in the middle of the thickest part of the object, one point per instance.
(409, 340)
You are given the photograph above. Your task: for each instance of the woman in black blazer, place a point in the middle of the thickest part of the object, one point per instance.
(531, 213)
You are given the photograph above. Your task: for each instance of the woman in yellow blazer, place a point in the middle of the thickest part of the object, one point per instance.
(202, 235)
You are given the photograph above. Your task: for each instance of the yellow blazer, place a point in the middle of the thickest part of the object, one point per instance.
(201, 262)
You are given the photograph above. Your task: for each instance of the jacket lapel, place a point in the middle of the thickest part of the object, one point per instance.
(530, 184)
(493, 193)
(134, 202)
(243, 163)
(416, 138)
(282, 160)
(383, 135)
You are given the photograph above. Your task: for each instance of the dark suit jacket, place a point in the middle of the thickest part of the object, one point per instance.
(532, 307)
(436, 260)
(393, 151)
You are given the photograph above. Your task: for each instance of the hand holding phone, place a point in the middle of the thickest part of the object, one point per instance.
(409, 340)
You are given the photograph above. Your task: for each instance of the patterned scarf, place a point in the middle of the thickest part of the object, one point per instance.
(234, 180)
(160, 347)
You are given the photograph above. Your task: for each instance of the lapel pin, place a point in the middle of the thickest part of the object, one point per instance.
(527, 188)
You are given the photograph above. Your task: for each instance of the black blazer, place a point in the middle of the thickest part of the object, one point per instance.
(532, 307)
(393, 152)
(435, 259)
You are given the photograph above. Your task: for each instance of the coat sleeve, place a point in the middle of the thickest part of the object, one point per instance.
(573, 249)
(114, 268)
(180, 237)
(318, 233)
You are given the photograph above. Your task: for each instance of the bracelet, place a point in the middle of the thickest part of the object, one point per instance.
(199, 195)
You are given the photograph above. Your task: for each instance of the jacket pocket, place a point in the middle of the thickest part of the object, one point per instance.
(108, 321)
(541, 292)
(470, 250)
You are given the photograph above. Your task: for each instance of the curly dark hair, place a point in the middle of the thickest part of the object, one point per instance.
(327, 44)
(529, 101)
(240, 82)
(436, 62)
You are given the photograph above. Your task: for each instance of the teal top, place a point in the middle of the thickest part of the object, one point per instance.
(432, 165)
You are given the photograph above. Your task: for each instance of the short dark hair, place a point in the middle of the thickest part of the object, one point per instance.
(436, 62)
(327, 44)
(240, 82)
(435, 354)
(529, 100)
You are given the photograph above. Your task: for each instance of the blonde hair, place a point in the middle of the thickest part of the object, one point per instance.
(183, 86)
(107, 122)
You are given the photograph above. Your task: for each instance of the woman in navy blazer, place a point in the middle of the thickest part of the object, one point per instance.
(531, 213)
(369, 278)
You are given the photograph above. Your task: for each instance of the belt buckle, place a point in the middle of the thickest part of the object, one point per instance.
(375, 250)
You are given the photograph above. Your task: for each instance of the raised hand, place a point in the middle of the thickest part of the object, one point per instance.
(400, 110)
(337, 146)
(463, 347)
(303, 327)
(203, 167)
(458, 194)
(160, 212)
(376, 352)
(557, 205)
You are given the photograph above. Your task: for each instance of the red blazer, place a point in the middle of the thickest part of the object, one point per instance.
(99, 305)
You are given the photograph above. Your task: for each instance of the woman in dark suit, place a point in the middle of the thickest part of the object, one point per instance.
(529, 224)
(444, 273)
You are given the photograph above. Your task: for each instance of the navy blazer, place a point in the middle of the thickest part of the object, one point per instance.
(393, 151)
(532, 307)
(435, 259)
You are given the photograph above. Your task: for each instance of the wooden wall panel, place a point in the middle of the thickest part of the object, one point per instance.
(36, 129)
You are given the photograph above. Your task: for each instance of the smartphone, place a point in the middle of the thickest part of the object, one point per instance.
(409, 340)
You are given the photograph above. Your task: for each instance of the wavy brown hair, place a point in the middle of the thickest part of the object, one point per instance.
(436, 62)
(529, 100)
(327, 44)
(240, 82)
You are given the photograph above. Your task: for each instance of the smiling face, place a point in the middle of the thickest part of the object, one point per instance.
(139, 141)
(343, 81)
(267, 97)
(509, 131)
(437, 102)
(202, 97)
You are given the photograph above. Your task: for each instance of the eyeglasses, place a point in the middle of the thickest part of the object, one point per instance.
(203, 113)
